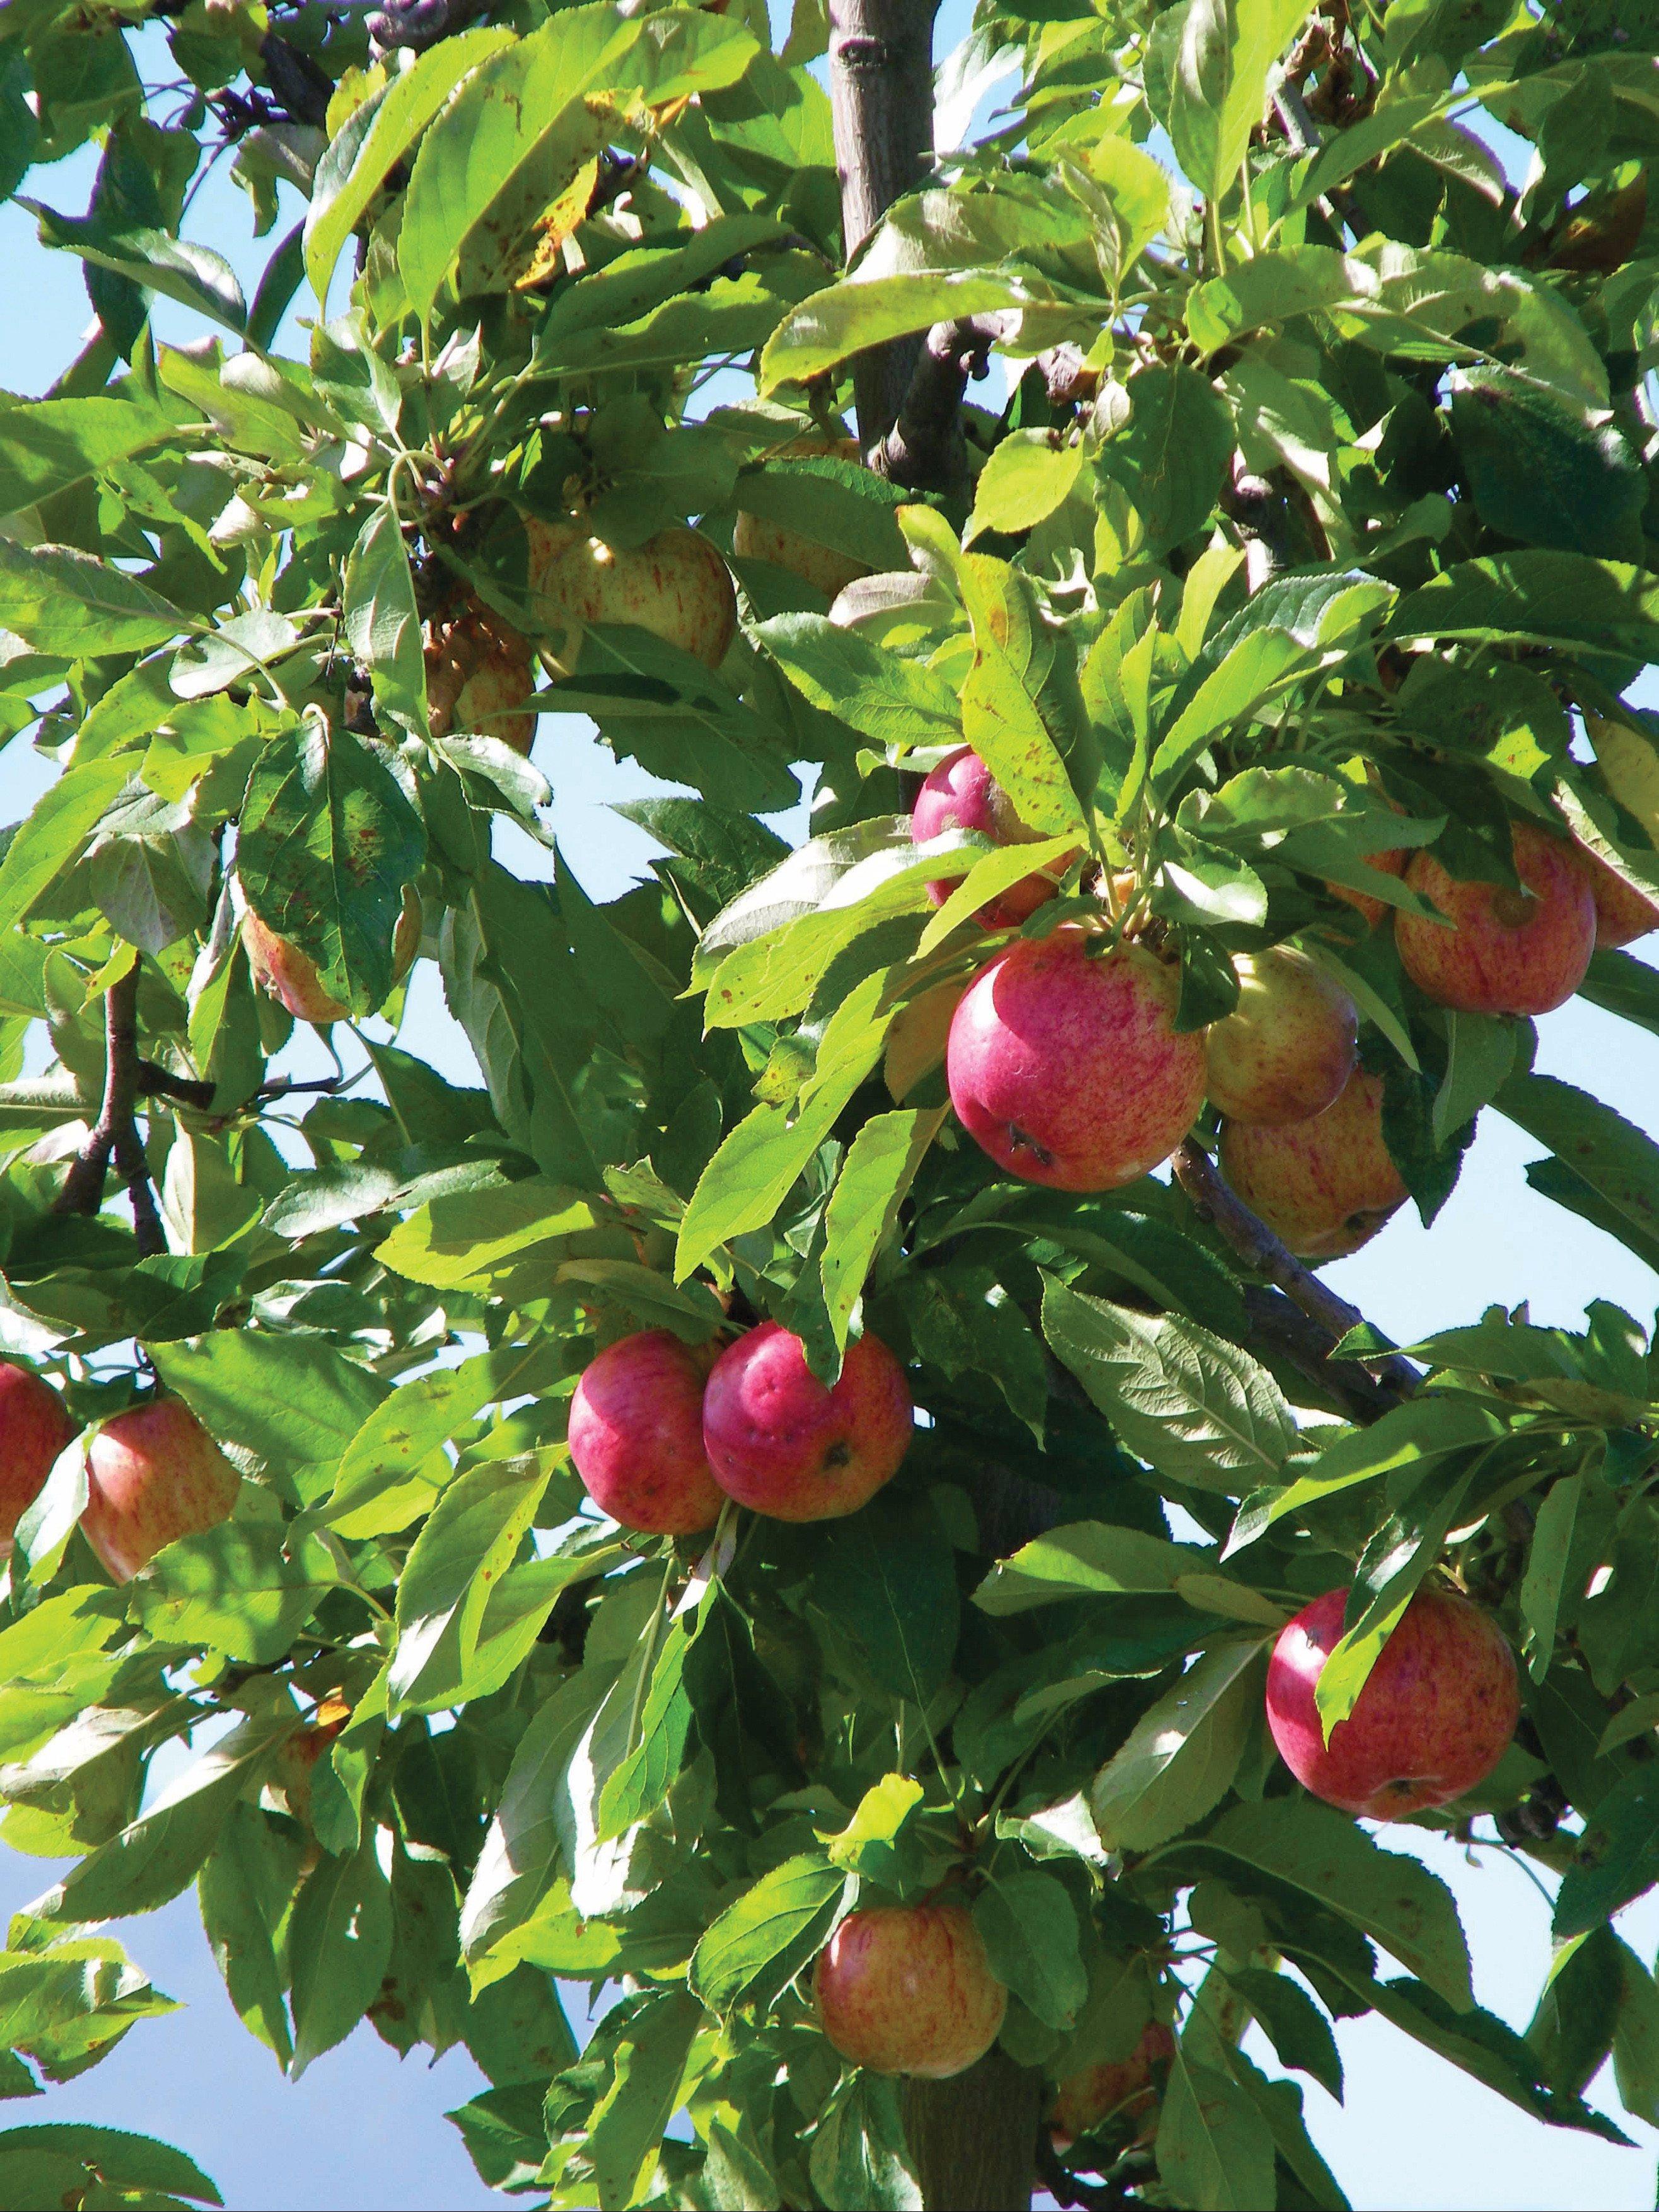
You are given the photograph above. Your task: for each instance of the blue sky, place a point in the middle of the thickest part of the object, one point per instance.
(363, 2129)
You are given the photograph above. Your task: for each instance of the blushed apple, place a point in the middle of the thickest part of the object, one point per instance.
(1509, 951)
(788, 1446)
(1622, 913)
(1287, 1050)
(635, 1434)
(675, 585)
(1391, 863)
(1066, 1067)
(1119, 2085)
(908, 1989)
(36, 1425)
(1324, 1186)
(1437, 1714)
(153, 1475)
(756, 539)
(961, 794)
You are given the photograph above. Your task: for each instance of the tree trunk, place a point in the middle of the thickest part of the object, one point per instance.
(880, 72)
(974, 2137)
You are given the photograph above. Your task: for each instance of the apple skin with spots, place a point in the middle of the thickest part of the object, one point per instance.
(961, 794)
(1508, 951)
(908, 1989)
(676, 585)
(1324, 1186)
(1437, 1712)
(153, 1474)
(1286, 1051)
(36, 1425)
(635, 1434)
(1068, 1069)
(479, 677)
(787, 1445)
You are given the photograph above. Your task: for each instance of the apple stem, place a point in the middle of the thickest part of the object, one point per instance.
(115, 1135)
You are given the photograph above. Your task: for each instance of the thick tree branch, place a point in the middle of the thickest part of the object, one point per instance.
(925, 447)
(114, 1135)
(880, 73)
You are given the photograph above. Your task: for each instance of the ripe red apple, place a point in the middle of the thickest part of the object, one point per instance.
(961, 794)
(1434, 1718)
(35, 1427)
(1068, 1069)
(291, 977)
(1508, 951)
(479, 675)
(1391, 863)
(153, 1475)
(1123, 2086)
(675, 585)
(754, 538)
(1324, 1186)
(1622, 913)
(782, 1443)
(908, 1989)
(635, 1434)
(1288, 1049)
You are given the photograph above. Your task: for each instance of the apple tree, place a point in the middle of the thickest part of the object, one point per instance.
(824, 1497)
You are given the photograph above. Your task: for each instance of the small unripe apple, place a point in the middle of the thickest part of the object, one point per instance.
(908, 1989)
(785, 1445)
(1437, 1714)
(1391, 863)
(1324, 1186)
(636, 1435)
(1287, 1050)
(675, 585)
(480, 674)
(291, 977)
(1067, 1068)
(1622, 913)
(1126, 2086)
(961, 794)
(35, 1427)
(153, 1475)
(1509, 952)
(754, 538)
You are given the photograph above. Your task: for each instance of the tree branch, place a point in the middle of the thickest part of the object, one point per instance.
(925, 447)
(881, 74)
(114, 1135)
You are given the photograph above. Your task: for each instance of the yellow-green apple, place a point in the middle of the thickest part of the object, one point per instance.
(290, 976)
(1509, 951)
(1324, 1186)
(153, 1475)
(635, 1434)
(1391, 863)
(1124, 2087)
(1287, 1048)
(793, 1448)
(1065, 1063)
(479, 673)
(961, 794)
(35, 1427)
(1435, 1714)
(675, 585)
(908, 1989)
(756, 539)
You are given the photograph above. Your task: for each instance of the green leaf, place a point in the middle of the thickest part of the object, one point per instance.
(244, 1889)
(865, 1844)
(233, 1590)
(624, 2131)
(153, 260)
(54, 833)
(341, 1939)
(467, 1544)
(1179, 1761)
(1028, 476)
(49, 445)
(1099, 1558)
(864, 1208)
(1544, 1582)
(328, 841)
(77, 2162)
(1171, 455)
(888, 698)
(1214, 2151)
(860, 2160)
(1030, 1931)
(293, 1400)
(1537, 599)
(871, 311)
(759, 1943)
(1197, 1408)
(394, 1466)
(1636, 2038)
(886, 1577)
(1427, 1428)
(1545, 473)
(1479, 1054)
(1207, 80)
(382, 623)
(1293, 2023)
(72, 604)
(1616, 1858)
(637, 1784)
(1617, 1162)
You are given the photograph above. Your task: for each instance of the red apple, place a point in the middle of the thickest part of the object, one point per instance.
(961, 794)
(35, 1427)
(1287, 1050)
(1435, 1714)
(1124, 2086)
(781, 1442)
(291, 977)
(1326, 1186)
(636, 1435)
(153, 1475)
(1068, 1068)
(908, 1989)
(1622, 913)
(1391, 863)
(1508, 951)
(676, 585)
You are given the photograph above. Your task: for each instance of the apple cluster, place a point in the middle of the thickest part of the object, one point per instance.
(1065, 1062)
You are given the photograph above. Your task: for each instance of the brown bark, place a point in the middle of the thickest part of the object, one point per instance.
(114, 1135)
(973, 2138)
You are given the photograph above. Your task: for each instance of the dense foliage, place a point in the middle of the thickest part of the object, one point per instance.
(1317, 526)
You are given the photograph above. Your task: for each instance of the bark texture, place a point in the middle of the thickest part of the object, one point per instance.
(974, 2137)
